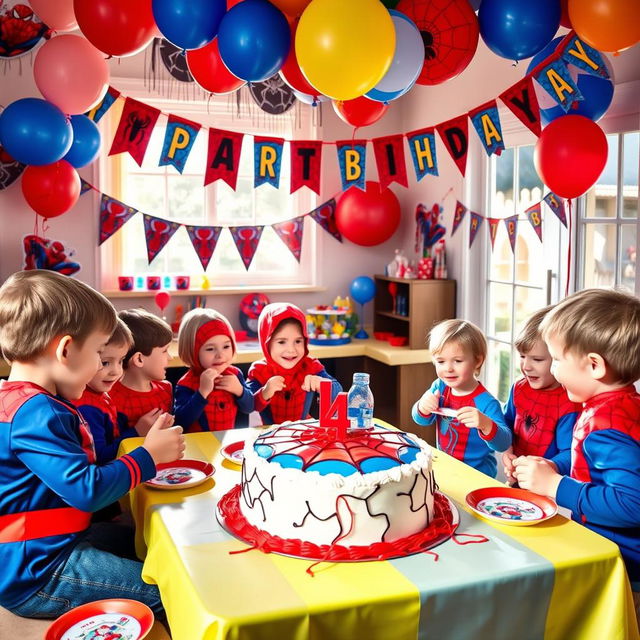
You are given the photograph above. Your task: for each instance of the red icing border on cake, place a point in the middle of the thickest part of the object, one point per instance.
(440, 529)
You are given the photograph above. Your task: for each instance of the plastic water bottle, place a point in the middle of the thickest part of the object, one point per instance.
(360, 402)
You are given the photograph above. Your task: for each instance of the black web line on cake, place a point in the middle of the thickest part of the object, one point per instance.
(428, 484)
(246, 490)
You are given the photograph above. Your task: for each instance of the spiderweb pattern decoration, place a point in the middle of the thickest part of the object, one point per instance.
(449, 29)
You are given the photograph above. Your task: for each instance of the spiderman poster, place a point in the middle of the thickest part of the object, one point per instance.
(134, 130)
(20, 29)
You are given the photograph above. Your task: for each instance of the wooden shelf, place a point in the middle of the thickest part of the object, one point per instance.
(388, 314)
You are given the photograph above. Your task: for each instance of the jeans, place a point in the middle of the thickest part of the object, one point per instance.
(95, 570)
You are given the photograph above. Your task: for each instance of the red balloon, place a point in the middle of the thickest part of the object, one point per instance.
(291, 72)
(360, 112)
(208, 70)
(565, 20)
(162, 299)
(368, 217)
(570, 155)
(117, 27)
(51, 189)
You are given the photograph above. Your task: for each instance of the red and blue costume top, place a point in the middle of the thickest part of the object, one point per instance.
(50, 485)
(132, 404)
(292, 403)
(469, 445)
(98, 409)
(542, 422)
(603, 490)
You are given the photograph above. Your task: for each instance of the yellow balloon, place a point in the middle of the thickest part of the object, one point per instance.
(344, 47)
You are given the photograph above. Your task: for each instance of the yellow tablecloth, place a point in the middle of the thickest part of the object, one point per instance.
(555, 580)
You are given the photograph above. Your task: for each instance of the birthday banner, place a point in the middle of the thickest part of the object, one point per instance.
(224, 147)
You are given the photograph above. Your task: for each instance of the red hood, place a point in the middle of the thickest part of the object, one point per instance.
(272, 315)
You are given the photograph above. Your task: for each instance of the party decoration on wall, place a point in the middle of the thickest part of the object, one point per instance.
(179, 137)
(223, 157)
(251, 307)
(43, 253)
(428, 228)
(325, 216)
(362, 290)
(486, 122)
(422, 145)
(290, 232)
(113, 214)
(58, 16)
(134, 129)
(273, 96)
(556, 80)
(492, 226)
(20, 29)
(204, 241)
(475, 221)
(511, 223)
(368, 217)
(556, 204)
(449, 30)
(189, 24)
(106, 103)
(210, 72)
(521, 100)
(173, 59)
(51, 189)
(389, 154)
(157, 232)
(246, 239)
(352, 158)
(10, 169)
(86, 142)
(267, 158)
(84, 186)
(454, 134)
(534, 215)
(458, 215)
(306, 161)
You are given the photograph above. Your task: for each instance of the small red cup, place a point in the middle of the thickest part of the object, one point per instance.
(182, 283)
(153, 283)
(125, 283)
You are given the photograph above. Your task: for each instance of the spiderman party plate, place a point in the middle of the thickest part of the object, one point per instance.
(233, 452)
(181, 474)
(511, 506)
(122, 619)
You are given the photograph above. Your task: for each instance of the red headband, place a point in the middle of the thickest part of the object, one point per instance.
(208, 330)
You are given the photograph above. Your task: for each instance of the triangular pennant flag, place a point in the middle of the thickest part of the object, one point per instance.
(475, 222)
(512, 230)
(157, 232)
(455, 135)
(389, 153)
(325, 216)
(267, 159)
(113, 214)
(290, 232)
(521, 99)
(556, 80)
(492, 226)
(486, 122)
(534, 214)
(134, 130)
(84, 186)
(306, 164)
(352, 158)
(105, 104)
(246, 240)
(204, 241)
(223, 157)
(422, 145)
(178, 142)
(458, 215)
(556, 204)
(581, 55)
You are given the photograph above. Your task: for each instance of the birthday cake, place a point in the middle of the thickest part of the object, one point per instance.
(373, 486)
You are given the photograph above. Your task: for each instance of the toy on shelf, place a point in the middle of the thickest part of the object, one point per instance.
(363, 290)
(331, 325)
(250, 307)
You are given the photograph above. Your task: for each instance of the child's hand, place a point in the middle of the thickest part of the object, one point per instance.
(537, 474)
(231, 384)
(312, 383)
(507, 460)
(207, 381)
(429, 402)
(473, 419)
(145, 421)
(164, 442)
(274, 384)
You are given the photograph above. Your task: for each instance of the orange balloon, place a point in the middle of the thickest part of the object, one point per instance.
(606, 25)
(291, 7)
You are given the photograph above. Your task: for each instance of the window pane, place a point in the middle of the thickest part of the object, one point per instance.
(630, 163)
(186, 203)
(528, 178)
(504, 174)
(499, 325)
(627, 257)
(529, 255)
(527, 302)
(601, 199)
(498, 369)
(599, 255)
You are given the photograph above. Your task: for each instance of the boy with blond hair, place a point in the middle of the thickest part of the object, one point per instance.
(594, 339)
(52, 331)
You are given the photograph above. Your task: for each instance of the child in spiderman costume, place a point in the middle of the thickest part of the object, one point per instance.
(211, 393)
(285, 381)
(478, 428)
(52, 330)
(539, 411)
(593, 337)
(142, 393)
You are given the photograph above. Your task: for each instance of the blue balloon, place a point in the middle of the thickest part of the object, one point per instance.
(254, 40)
(362, 289)
(34, 131)
(189, 24)
(86, 142)
(597, 91)
(518, 29)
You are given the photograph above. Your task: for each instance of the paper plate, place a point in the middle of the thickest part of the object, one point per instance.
(511, 506)
(233, 452)
(122, 619)
(181, 474)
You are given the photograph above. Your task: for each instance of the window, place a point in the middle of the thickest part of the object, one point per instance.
(165, 193)
(608, 229)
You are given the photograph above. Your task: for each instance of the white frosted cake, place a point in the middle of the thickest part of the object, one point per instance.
(300, 482)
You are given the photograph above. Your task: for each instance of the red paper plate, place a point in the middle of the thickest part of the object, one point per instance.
(233, 452)
(130, 619)
(507, 505)
(181, 474)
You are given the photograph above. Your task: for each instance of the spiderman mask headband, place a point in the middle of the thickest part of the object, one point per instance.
(207, 331)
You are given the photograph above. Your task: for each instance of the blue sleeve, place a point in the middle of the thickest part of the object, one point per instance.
(102, 431)
(336, 387)
(564, 436)
(612, 498)
(46, 439)
(245, 402)
(189, 405)
(510, 409)
(502, 436)
(418, 418)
